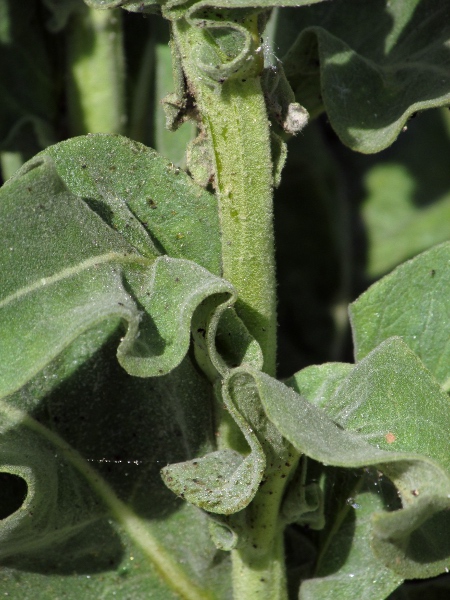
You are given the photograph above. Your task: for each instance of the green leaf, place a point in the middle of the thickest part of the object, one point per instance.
(81, 273)
(419, 470)
(352, 497)
(96, 515)
(412, 303)
(356, 573)
(318, 382)
(371, 76)
(224, 482)
(149, 5)
(140, 193)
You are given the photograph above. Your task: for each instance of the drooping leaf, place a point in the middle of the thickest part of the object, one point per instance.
(411, 302)
(226, 481)
(65, 270)
(419, 470)
(351, 498)
(371, 76)
(89, 441)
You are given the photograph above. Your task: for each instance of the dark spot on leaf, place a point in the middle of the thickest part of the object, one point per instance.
(433, 272)
(83, 166)
(112, 168)
(151, 203)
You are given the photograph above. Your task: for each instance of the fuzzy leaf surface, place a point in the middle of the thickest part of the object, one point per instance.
(351, 498)
(65, 270)
(142, 195)
(88, 441)
(420, 464)
(370, 77)
(411, 302)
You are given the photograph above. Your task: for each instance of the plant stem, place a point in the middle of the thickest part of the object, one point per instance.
(95, 72)
(235, 120)
(260, 576)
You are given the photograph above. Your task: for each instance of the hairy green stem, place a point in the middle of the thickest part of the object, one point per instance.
(235, 120)
(259, 566)
(95, 72)
(260, 576)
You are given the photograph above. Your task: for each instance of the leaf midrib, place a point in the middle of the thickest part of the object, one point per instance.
(74, 270)
(138, 530)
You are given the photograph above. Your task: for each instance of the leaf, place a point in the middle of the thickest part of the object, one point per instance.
(346, 566)
(394, 402)
(149, 5)
(225, 482)
(133, 188)
(352, 497)
(419, 470)
(372, 76)
(89, 441)
(318, 382)
(229, 51)
(83, 272)
(412, 303)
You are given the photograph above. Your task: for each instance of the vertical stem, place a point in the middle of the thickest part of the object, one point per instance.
(256, 577)
(95, 72)
(235, 120)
